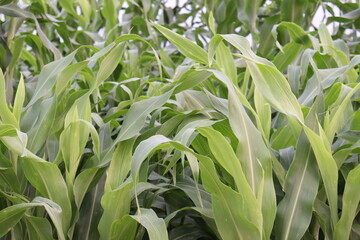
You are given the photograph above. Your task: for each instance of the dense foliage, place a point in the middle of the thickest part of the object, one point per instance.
(205, 120)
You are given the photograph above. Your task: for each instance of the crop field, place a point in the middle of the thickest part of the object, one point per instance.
(183, 120)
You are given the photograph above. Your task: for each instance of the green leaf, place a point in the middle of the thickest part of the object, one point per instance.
(185, 46)
(86, 9)
(268, 80)
(94, 136)
(10, 216)
(68, 6)
(301, 187)
(41, 129)
(155, 226)
(55, 213)
(263, 110)
(190, 79)
(322, 214)
(14, 10)
(109, 13)
(19, 99)
(287, 56)
(8, 178)
(109, 64)
(247, 13)
(293, 10)
(229, 207)
(256, 161)
(116, 205)
(6, 115)
(328, 169)
(226, 157)
(120, 165)
(295, 31)
(326, 40)
(47, 77)
(38, 228)
(225, 62)
(124, 228)
(72, 147)
(141, 152)
(335, 119)
(47, 179)
(350, 203)
(84, 181)
(66, 75)
(137, 114)
(275, 88)
(7, 130)
(211, 21)
(17, 144)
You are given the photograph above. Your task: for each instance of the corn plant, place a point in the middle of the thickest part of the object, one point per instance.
(138, 127)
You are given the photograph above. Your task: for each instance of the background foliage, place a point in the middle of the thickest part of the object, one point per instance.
(205, 120)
